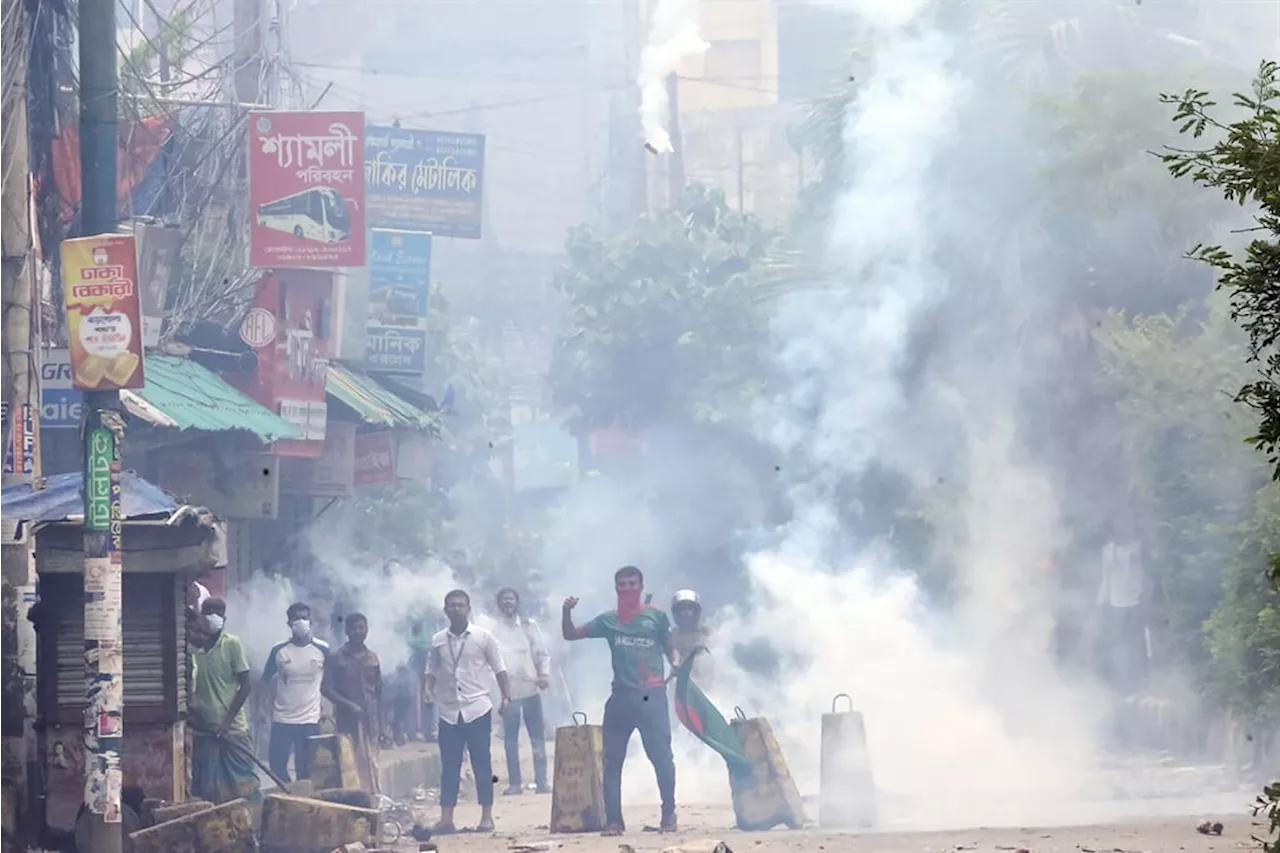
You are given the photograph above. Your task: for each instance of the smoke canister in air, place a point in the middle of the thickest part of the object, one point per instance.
(848, 795)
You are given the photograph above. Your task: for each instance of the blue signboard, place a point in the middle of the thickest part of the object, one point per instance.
(399, 293)
(424, 180)
(60, 404)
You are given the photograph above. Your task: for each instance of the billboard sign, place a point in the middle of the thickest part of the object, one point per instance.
(306, 193)
(289, 328)
(104, 317)
(60, 404)
(399, 292)
(375, 458)
(425, 180)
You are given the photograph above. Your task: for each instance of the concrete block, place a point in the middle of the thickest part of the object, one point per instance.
(302, 825)
(767, 795)
(157, 814)
(577, 795)
(300, 788)
(403, 770)
(333, 762)
(347, 797)
(227, 828)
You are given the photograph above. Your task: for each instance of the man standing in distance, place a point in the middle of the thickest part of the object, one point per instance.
(463, 659)
(524, 650)
(639, 639)
(295, 668)
(353, 682)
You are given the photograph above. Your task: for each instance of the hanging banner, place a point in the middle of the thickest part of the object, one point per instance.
(425, 180)
(26, 443)
(104, 320)
(157, 253)
(399, 292)
(289, 330)
(306, 192)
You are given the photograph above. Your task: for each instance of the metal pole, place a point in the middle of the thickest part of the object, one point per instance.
(17, 579)
(675, 173)
(99, 829)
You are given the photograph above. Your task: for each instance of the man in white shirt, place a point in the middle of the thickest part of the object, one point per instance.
(295, 668)
(524, 650)
(463, 659)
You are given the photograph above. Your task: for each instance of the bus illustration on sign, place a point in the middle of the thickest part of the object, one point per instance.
(320, 214)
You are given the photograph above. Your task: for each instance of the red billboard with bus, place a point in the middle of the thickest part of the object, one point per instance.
(306, 190)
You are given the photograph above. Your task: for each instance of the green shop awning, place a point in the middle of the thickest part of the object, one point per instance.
(181, 394)
(374, 402)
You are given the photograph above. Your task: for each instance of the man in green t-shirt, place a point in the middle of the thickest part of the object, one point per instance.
(222, 767)
(639, 638)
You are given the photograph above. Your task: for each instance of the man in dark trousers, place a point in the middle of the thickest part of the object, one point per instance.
(463, 659)
(639, 638)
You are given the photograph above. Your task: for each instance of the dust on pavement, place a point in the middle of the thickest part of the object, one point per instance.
(523, 820)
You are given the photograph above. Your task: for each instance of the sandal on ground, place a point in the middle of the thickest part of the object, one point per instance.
(443, 829)
(484, 827)
(613, 830)
(668, 824)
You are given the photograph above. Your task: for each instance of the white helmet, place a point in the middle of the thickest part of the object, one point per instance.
(685, 596)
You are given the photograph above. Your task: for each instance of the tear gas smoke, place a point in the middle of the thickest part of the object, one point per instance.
(967, 720)
(966, 703)
(673, 38)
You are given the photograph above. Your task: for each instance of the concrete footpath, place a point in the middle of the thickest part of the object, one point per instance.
(404, 769)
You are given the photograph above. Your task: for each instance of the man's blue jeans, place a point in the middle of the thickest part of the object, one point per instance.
(291, 739)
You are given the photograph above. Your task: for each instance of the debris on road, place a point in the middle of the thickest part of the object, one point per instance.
(1209, 827)
(704, 845)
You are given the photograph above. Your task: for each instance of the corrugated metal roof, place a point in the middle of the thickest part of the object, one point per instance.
(60, 499)
(184, 395)
(374, 402)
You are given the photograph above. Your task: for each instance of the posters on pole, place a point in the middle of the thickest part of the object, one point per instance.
(104, 319)
(425, 180)
(306, 190)
(399, 294)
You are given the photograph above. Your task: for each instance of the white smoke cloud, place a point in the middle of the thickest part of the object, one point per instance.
(673, 38)
(967, 720)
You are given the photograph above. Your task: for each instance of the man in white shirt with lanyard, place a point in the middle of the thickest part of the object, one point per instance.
(463, 659)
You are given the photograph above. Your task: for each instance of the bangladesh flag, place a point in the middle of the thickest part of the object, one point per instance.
(698, 715)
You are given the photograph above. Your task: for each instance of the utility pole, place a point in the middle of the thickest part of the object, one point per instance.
(741, 168)
(19, 361)
(99, 828)
(248, 75)
(675, 171)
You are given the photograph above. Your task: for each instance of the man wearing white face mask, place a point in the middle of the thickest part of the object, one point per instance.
(295, 668)
(222, 767)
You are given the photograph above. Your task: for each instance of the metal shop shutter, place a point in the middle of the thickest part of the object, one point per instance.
(153, 655)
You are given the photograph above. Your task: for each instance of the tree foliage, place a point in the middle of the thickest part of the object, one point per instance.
(661, 322)
(1243, 164)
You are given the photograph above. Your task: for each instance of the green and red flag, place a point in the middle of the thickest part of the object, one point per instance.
(698, 715)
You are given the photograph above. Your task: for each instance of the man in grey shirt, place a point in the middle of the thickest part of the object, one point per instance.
(524, 650)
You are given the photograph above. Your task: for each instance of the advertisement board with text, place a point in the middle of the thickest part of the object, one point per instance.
(425, 180)
(399, 294)
(104, 317)
(306, 189)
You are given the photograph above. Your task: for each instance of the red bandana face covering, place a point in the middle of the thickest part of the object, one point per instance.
(629, 604)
